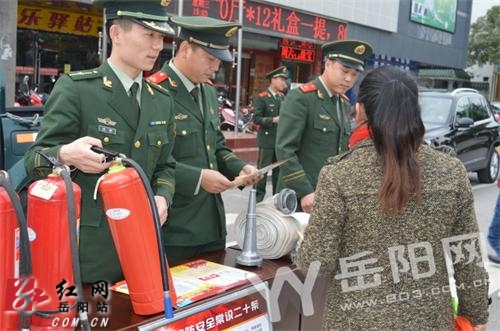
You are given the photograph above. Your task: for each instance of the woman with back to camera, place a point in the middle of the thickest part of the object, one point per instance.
(386, 213)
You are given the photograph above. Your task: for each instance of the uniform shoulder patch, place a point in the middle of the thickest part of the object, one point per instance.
(345, 97)
(306, 88)
(158, 77)
(263, 94)
(84, 74)
(337, 158)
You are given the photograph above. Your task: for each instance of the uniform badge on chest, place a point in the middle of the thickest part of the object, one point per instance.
(181, 117)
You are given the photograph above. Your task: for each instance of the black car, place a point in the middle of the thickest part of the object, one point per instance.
(462, 119)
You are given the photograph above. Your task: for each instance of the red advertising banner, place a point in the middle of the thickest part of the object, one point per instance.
(294, 50)
(266, 17)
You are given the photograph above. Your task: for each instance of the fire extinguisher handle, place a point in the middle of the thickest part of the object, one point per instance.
(110, 155)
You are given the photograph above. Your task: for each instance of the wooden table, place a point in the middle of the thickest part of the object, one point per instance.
(122, 317)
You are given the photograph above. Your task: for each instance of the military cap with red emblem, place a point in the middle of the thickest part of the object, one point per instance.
(209, 33)
(278, 72)
(152, 14)
(351, 53)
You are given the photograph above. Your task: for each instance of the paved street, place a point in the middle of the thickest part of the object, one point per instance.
(484, 197)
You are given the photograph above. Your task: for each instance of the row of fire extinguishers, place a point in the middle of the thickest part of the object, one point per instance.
(37, 252)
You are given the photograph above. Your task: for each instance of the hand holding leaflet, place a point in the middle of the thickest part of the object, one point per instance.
(241, 180)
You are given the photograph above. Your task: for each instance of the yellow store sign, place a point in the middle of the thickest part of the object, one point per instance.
(58, 20)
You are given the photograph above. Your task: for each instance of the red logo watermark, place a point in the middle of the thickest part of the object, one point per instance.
(21, 294)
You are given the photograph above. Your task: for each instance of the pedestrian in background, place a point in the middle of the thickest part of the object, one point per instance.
(205, 165)
(111, 106)
(494, 232)
(386, 214)
(314, 119)
(266, 115)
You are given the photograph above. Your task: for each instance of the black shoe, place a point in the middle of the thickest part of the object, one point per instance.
(495, 259)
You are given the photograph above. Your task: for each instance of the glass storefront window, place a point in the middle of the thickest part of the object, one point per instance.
(43, 56)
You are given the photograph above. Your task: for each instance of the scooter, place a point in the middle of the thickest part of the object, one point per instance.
(228, 117)
(29, 97)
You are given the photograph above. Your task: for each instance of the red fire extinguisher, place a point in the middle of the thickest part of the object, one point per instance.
(134, 223)
(15, 257)
(53, 214)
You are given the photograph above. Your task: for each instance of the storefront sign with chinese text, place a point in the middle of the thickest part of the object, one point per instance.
(295, 50)
(58, 20)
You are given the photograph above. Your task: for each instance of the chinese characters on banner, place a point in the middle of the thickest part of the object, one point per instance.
(263, 17)
(297, 50)
(58, 20)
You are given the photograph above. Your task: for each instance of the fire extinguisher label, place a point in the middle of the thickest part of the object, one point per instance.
(117, 214)
(43, 189)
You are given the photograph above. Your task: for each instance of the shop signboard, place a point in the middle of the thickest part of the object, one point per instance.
(294, 50)
(246, 309)
(59, 19)
(270, 19)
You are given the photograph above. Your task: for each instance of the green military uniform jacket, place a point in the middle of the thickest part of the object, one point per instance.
(309, 132)
(266, 107)
(199, 219)
(94, 103)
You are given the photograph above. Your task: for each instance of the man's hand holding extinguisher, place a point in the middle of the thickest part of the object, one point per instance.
(78, 154)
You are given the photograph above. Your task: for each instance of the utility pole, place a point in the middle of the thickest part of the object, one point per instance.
(8, 42)
(238, 68)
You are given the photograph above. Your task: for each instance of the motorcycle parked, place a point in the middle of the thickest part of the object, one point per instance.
(228, 117)
(29, 97)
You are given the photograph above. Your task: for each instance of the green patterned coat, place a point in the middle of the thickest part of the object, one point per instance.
(389, 273)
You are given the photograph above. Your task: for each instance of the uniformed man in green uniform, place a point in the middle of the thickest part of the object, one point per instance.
(314, 121)
(205, 165)
(113, 107)
(266, 115)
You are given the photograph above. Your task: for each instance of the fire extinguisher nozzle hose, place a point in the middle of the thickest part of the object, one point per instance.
(65, 174)
(24, 244)
(169, 311)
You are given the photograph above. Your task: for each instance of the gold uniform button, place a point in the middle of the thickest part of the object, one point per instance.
(324, 129)
(158, 142)
(105, 139)
(211, 165)
(266, 133)
(183, 132)
(137, 144)
(208, 147)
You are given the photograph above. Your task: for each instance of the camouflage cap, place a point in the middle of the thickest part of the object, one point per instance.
(152, 14)
(209, 33)
(278, 72)
(351, 53)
